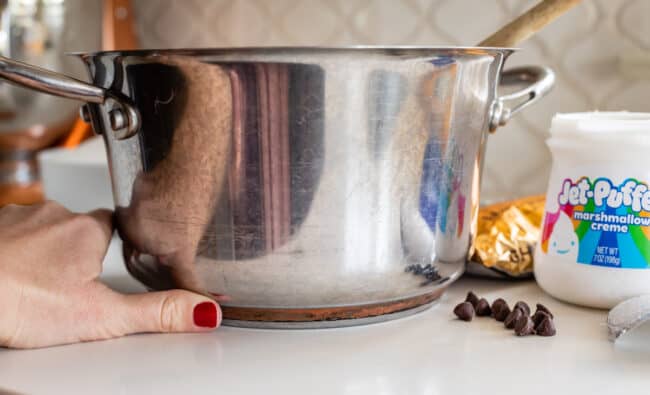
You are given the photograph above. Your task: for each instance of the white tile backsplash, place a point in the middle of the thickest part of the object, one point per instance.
(600, 52)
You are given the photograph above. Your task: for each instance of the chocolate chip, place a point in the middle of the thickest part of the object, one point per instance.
(497, 305)
(523, 306)
(524, 326)
(503, 312)
(472, 298)
(518, 319)
(464, 311)
(541, 307)
(512, 318)
(483, 308)
(539, 316)
(546, 328)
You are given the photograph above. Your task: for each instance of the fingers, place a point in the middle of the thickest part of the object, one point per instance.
(15, 218)
(11, 211)
(87, 236)
(104, 218)
(168, 311)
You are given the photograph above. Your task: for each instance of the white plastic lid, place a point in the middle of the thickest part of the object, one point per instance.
(619, 124)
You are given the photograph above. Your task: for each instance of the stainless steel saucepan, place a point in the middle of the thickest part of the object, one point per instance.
(315, 187)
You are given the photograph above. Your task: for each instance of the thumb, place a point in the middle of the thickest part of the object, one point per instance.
(169, 311)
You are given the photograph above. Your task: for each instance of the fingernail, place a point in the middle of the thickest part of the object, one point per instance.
(205, 315)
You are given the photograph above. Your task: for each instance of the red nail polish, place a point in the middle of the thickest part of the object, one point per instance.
(205, 315)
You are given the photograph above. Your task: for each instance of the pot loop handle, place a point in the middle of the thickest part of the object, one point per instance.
(123, 117)
(540, 79)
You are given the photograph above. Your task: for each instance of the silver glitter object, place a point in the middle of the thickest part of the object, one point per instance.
(628, 315)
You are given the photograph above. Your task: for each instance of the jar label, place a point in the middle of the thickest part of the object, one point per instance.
(600, 223)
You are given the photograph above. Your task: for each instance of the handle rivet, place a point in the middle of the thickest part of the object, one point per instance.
(84, 113)
(117, 119)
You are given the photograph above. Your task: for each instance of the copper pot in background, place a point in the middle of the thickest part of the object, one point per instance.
(39, 32)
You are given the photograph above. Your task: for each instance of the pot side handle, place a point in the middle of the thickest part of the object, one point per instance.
(540, 79)
(124, 118)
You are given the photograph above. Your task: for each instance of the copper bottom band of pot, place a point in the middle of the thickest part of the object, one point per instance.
(328, 314)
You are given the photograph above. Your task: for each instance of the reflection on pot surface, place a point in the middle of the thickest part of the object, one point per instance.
(297, 184)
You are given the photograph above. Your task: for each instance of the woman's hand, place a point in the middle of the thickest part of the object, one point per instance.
(50, 259)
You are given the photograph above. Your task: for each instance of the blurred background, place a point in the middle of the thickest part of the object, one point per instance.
(600, 52)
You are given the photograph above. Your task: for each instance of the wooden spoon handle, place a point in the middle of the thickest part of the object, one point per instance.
(529, 23)
(118, 26)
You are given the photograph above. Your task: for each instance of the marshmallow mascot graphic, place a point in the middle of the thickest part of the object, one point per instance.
(564, 241)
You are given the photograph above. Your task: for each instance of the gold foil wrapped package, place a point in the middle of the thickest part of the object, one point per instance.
(506, 237)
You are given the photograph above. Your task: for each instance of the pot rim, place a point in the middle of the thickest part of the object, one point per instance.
(366, 49)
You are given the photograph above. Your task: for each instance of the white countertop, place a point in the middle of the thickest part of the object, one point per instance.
(429, 353)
